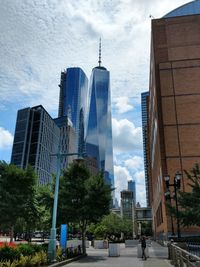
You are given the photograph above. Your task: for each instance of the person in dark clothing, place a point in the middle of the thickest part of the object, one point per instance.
(143, 245)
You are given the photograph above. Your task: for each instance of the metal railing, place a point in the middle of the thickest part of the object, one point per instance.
(182, 258)
(193, 248)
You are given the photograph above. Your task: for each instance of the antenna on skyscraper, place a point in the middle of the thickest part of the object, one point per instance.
(99, 53)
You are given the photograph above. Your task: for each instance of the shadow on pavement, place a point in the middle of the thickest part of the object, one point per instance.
(92, 259)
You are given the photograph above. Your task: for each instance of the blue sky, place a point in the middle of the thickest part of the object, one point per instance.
(42, 37)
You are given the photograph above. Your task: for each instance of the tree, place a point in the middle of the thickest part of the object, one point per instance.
(45, 198)
(17, 196)
(83, 198)
(189, 202)
(111, 227)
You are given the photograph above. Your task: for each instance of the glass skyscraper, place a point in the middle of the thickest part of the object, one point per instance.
(144, 105)
(73, 102)
(99, 130)
(36, 138)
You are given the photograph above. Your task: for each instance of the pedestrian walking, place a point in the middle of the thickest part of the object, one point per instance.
(143, 246)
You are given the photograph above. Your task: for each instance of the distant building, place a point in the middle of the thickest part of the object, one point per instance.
(36, 138)
(127, 204)
(132, 188)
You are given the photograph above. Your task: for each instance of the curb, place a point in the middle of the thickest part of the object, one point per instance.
(61, 263)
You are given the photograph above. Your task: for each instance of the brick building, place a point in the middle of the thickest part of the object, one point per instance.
(174, 107)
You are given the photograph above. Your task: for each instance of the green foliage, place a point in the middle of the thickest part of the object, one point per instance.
(111, 227)
(24, 255)
(10, 263)
(82, 198)
(25, 249)
(146, 228)
(189, 202)
(8, 254)
(100, 232)
(18, 204)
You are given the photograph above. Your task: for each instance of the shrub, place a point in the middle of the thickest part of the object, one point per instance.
(10, 264)
(8, 253)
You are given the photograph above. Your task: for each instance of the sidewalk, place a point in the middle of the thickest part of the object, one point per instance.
(128, 258)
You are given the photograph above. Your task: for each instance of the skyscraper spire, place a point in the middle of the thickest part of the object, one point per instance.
(99, 53)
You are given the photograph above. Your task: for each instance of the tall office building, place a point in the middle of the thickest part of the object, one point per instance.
(145, 132)
(36, 138)
(67, 143)
(99, 131)
(73, 102)
(132, 188)
(174, 109)
(127, 204)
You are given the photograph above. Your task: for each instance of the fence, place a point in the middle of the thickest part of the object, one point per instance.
(182, 258)
(193, 248)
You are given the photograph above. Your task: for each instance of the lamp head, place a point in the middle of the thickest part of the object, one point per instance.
(178, 177)
(167, 178)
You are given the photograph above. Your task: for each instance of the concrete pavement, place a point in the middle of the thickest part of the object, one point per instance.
(128, 258)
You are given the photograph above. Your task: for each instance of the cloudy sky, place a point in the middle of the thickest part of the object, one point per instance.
(39, 38)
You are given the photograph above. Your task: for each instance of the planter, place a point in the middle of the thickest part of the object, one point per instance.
(114, 250)
(98, 244)
(131, 243)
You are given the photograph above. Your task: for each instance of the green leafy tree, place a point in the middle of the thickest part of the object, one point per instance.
(17, 196)
(83, 198)
(189, 202)
(111, 227)
(45, 198)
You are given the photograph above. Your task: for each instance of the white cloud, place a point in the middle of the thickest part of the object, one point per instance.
(126, 137)
(134, 163)
(122, 176)
(6, 138)
(122, 105)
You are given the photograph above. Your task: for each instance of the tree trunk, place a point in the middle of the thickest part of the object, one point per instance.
(83, 230)
(11, 233)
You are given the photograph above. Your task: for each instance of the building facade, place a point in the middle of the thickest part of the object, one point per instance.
(145, 133)
(99, 131)
(132, 188)
(73, 102)
(36, 138)
(67, 143)
(174, 120)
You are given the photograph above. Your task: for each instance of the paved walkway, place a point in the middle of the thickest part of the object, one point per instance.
(128, 258)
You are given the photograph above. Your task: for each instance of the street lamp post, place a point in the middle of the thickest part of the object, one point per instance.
(52, 240)
(167, 196)
(176, 185)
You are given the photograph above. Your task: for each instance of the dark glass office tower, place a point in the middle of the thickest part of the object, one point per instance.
(36, 138)
(99, 132)
(73, 102)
